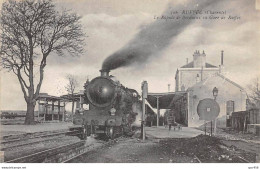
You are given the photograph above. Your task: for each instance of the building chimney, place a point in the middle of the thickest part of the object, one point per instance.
(221, 67)
(104, 72)
(169, 87)
(222, 57)
(187, 60)
(199, 59)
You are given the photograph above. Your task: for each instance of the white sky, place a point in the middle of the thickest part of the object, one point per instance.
(110, 24)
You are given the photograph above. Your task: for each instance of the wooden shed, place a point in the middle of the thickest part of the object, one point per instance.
(239, 120)
(242, 119)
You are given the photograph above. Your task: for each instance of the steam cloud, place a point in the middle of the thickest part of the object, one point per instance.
(153, 38)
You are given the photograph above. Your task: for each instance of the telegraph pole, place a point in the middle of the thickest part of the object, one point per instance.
(144, 96)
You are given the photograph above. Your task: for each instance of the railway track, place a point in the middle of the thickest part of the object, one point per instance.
(8, 144)
(241, 160)
(20, 140)
(60, 154)
(16, 144)
(21, 137)
(197, 158)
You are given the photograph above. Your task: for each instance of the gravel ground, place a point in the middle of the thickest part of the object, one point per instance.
(235, 135)
(125, 150)
(207, 149)
(202, 148)
(251, 147)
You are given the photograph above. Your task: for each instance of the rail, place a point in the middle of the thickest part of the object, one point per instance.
(50, 155)
(71, 133)
(28, 136)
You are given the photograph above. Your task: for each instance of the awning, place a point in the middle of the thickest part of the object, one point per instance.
(46, 97)
(165, 99)
(75, 97)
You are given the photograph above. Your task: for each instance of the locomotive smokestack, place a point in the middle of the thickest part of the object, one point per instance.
(104, 72)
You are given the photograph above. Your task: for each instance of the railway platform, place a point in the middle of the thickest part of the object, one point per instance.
(162, 132)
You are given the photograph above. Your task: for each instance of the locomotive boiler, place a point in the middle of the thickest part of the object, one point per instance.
(112, 111)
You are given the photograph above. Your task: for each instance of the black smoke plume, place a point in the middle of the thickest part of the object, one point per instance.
(155, 37)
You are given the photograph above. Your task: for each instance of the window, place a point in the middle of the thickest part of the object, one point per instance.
(230, 107)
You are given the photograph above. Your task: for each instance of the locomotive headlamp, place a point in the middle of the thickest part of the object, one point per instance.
(105, 90)
(113, 111)
(102, 90)
(134, 94)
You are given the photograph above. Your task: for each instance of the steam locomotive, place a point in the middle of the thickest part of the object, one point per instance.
(113, 108)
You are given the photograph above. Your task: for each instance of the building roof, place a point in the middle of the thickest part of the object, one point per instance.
(221, 76)
(67, 97)
(74, 97)
(165, 99)
(230, 81)
(191, 65)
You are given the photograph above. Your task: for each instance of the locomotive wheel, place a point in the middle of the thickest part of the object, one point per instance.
(83, 131)
(127, 131)
(118, 131)
(88, 130)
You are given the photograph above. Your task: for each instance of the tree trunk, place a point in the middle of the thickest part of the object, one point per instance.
(72, 110)
(29, 119)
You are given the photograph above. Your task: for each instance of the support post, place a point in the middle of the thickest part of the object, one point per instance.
(188, 108)
(158, 111)
(63, 113)
(205, 127)
(211, 128)
(46, 109)
(80, 102)
(215, 94)
(59, 110)
(52, 110)
(143, 120)
(215, 126)
(38, 110)
(215, 120)
(144, 96)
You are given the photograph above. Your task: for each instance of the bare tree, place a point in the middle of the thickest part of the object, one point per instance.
(70, 87)
(30, 31)
(254, 92)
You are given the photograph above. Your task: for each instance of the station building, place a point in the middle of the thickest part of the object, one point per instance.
(231, 98)
(194, 82)
(198, 79)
